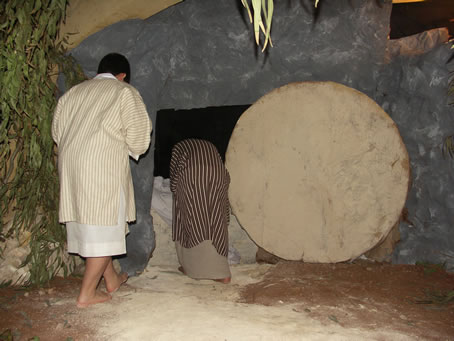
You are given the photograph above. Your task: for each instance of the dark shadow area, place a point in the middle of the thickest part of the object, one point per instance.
(412, 18)
(214, 124)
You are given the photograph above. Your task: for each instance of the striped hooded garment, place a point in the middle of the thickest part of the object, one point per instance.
(199, 182)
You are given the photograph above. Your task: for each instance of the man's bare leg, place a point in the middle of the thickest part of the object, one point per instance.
(94, 268)
(112, 279)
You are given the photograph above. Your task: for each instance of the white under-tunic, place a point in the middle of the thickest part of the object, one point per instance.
(97, 240)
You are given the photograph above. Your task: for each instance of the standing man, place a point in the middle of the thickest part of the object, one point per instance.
(96, 125)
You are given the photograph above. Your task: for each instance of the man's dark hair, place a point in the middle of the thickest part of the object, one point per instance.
(115, 64)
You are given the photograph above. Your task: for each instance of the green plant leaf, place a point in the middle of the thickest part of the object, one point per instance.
(28, 173)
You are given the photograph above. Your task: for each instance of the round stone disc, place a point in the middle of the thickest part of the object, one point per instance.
(319, 172)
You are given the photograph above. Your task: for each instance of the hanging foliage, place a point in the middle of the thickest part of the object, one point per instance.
(29, 56)
(267, 7)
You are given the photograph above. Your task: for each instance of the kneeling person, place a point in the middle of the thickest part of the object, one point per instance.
(199, 182)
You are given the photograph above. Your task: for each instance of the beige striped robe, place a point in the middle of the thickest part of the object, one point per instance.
(96, 125)
(199, 183)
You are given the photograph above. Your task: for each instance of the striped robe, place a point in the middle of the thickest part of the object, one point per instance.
(96, 125)
(199, 183)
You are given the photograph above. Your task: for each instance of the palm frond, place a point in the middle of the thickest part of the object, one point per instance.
(448, 147)
(264, 26)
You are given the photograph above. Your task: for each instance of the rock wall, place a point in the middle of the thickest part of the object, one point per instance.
(201, 53)
(413, 91)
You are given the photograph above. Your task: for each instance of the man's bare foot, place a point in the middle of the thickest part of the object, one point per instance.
(223, 280)
(99, 297)
(114, 285)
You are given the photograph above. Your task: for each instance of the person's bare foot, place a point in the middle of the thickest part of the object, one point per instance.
(114, 285)
(223, 280)
(99, 297)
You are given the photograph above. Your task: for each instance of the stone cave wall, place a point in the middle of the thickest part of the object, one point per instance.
(201, 53)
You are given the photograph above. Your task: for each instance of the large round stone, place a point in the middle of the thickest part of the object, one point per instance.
(319, 172)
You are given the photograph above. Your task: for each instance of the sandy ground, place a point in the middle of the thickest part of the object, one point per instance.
(162, 304)
(287, 301)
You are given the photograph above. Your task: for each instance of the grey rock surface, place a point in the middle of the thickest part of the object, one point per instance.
(413, 91)
(201, 53)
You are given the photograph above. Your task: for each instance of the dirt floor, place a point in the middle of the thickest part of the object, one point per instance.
(416, 300)
(413, 302)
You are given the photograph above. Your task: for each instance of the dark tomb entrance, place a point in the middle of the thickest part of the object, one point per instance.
(214, 124)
